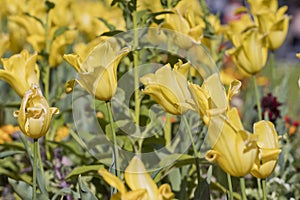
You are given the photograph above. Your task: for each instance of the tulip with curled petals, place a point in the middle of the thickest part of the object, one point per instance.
(275, 26)
(250, 52)
(233, 148)
(169, 88)
(35, 115)
(20, 71)
(98, 73)
(268, 149)
(142, 186)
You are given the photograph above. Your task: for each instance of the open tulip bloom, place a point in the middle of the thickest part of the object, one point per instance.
(20, 71)
(98, 73)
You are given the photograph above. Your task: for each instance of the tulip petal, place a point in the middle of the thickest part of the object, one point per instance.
(139, 194)
(165, 192)
(112, 180)
(137, 177)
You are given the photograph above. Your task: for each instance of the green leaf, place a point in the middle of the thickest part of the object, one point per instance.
(111, 33)
(9, 153)
(40, 173)
(83, 169)
(85, 193)
(108, 25)
(65, 191)
(60, 31)
(21, 188)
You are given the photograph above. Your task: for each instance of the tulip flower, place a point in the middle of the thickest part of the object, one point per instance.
(98, 72)
(268, 149)
(141, 184)
(169, 88)
(250, 52)
(232, 147)
(20, 71)
(35, 115)
(275, 25)
(259, 6)
(209, 99)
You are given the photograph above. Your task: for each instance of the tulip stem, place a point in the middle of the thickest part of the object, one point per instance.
(34, 177)
(167, 129)
(243, 188)
(114, 137)
(271, 64)
(257, 98)
(194, 147)
(230, 186)
(135, 68)
(264, 186)
(259, 187)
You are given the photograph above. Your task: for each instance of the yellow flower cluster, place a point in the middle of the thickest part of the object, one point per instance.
(259, 29)
(50, 28)
(237, 151)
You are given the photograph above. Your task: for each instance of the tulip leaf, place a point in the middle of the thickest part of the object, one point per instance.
(63, 192)
(9, 153)
(203, 188)
(111, 33)
(85, 193)
(40, 173)
(83, 169)
(108, 25)
(24, 190)
(60, 31)
(21, 188)
(34, 17)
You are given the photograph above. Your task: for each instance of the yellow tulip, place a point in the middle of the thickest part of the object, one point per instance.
(87, 14)
(169, 88)
(275, 25)
(58, 46)
(34, 116)
(232, 147)
(259, 6)
(236, 27)
(250, 52)
(268, 146)
(98, 72)
(209, 99)
(140, 183)
(20, 71)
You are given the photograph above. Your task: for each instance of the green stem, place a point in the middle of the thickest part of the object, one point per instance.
(243, 188)
(271, 64)
(167, 129)
(114, 137)
(264, 186)
(135, 68)
(230, 187)
(194, 147)
(34, 177)
(257, 98)
(259, 187)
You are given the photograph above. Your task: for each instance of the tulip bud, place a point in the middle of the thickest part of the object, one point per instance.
(35, 115)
